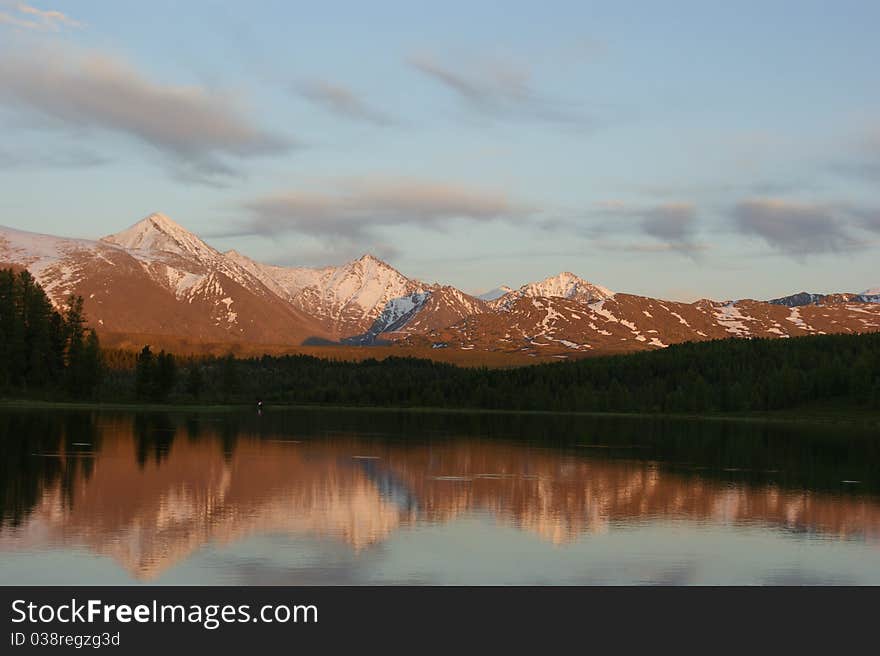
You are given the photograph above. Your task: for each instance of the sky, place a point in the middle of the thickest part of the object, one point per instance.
(678, 150)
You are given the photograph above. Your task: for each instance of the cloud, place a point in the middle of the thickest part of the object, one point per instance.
(64, 159)
(501, 91)
(14, 21)
(197, 128)
(357, 208)
(322, 254)
(867, 218)
(343, 102)
(795, 228)
(688, 248)
(31, 18)
(865, 169)
(872, 222)
(672, 225)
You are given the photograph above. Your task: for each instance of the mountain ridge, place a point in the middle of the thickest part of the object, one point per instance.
(157, 277)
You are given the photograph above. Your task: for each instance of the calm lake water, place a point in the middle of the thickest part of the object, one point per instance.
(343, 497)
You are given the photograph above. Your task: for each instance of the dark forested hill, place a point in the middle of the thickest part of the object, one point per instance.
(44, 352)
(49, 354)
(732, 375)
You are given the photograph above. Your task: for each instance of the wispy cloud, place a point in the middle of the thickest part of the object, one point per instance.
(673, 223)
(31, 18)
(200, 129)
(673, 226)
(62, 159)
(324, 253)
(499, 90)
(354, 209)
(688, 248)
(867, 218)
(343, 102)
(796, 228)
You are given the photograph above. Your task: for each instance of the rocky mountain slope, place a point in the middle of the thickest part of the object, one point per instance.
(805, 298)
(346, 300)
(561, 327)
(157, 278)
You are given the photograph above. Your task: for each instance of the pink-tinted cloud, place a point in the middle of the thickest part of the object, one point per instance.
(27, 17)
(354, 209)
(199, 129)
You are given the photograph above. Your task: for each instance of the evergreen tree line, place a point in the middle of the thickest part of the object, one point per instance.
(155, 375)
(44, 352)
(732, 375)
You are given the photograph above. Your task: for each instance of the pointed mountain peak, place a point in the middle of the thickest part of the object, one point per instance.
(566, 285)
(368, 262)
(566, 277)
(161, 220)
(158, 233)
(368, 258)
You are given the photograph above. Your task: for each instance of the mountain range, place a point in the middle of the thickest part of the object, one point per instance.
(158, 279)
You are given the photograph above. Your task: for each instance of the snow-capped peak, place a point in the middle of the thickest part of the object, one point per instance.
(566, 285)
(372, 265)
(158, 233)
(368, 283)
(874, 291)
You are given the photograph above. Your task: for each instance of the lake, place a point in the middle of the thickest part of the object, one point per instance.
(303, 497)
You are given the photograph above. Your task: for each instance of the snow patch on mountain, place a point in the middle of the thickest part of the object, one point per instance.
(159, 234)
(284, 282)
(564, 285)
(26, 247)
(55, 262)
(396, 313)
(367, 283)
(567, 285)
(350, 298)
(180, 260)
(729, 316)
(795, 318)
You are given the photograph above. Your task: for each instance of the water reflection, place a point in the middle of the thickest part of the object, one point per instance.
(150, 490)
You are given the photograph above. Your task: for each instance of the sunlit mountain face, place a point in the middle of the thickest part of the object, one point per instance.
(156, 280)
(152, 492)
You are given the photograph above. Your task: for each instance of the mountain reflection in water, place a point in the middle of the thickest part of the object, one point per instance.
(151, 490)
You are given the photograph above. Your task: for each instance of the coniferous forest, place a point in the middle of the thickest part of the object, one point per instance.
(733, 375)
(48, 354)
(44, 353)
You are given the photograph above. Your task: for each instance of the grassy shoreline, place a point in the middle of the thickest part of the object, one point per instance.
(846, 416)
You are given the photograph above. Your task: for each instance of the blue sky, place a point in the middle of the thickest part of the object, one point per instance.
(678, 149)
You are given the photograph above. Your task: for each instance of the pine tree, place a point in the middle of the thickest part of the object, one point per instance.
(144, 373)
(8, 328)
(74, 323)
(194, 380)
(92, 366)
(166, 375)
(228, 378)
